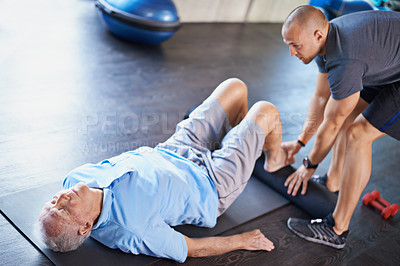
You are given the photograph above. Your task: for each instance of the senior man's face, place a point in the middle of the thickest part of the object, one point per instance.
(72, 204)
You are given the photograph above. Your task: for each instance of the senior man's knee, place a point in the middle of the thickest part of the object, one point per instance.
(265, 114)
(237, 88)
(265, 108)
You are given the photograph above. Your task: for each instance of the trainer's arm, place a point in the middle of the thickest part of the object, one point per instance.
(318, 102)
(315, 115)
(212, 246)
(336, 113)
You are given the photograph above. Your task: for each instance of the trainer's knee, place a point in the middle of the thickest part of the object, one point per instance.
(357, 134)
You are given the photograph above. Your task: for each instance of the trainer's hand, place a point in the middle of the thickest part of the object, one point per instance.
(255, 240)
(295, 180)
(292, 148)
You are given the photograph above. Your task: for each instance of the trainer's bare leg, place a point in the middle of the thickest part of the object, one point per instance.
(356, 170)
(266, 115)
(232, 95)
(339, 148)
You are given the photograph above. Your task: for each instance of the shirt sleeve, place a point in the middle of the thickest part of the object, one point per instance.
(345, 78)
(160, 240)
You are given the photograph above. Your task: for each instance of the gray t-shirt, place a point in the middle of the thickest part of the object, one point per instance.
(362, 48)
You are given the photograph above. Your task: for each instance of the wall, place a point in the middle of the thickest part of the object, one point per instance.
(235, 10)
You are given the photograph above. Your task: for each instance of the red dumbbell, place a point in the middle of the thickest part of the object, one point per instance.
(379, 203)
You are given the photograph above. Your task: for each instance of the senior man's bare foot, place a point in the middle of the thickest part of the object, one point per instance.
(274, 163)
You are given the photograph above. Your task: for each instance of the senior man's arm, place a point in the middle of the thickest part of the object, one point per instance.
(212, 246)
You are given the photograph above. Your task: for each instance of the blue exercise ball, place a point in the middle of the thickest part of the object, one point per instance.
(141, 21)
(336, 8)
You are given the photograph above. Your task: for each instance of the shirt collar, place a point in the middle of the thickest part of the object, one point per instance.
(105, 210)
(329, 37)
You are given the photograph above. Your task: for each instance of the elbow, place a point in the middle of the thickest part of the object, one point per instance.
(321, 98)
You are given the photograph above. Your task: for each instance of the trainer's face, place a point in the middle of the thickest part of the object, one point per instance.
(72, 204)
(302, 42)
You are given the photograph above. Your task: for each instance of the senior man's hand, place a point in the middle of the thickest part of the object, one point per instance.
(212, 246)
(298, 178)
(255, 240)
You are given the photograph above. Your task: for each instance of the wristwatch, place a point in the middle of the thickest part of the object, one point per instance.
(307, 163)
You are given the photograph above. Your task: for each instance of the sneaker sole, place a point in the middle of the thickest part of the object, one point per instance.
(318, 241)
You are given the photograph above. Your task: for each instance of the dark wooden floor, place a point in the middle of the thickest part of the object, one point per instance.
(71, 93)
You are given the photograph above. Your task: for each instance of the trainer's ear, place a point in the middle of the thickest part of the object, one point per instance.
(84, 229)
(318, 35)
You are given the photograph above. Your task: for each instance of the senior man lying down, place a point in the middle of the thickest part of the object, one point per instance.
(131, 201)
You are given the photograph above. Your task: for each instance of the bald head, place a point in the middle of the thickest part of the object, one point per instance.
(305, 31)
(306, 17)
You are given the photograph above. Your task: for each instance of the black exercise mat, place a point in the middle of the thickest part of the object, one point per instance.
(318, 200)
(256, 200)
(22, 210)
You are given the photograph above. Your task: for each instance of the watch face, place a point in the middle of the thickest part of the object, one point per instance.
(305, 162)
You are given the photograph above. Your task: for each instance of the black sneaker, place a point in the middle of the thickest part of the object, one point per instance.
(318, 231)
(322, 181)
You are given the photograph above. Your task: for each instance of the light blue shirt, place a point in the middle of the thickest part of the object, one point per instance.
(144, 193)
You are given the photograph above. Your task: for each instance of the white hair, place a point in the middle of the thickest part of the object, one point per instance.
(60, 236)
